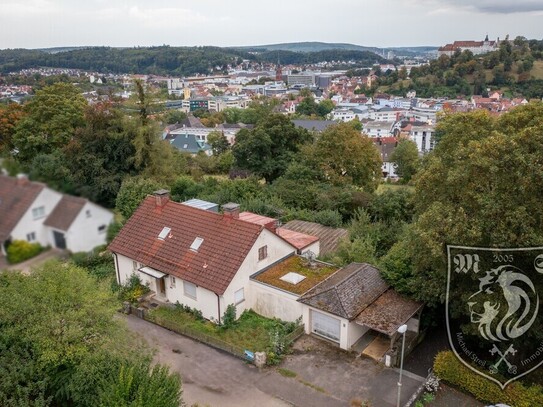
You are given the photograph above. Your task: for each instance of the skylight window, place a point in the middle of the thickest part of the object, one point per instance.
(165, 232)
(196, 244)
(292, 278)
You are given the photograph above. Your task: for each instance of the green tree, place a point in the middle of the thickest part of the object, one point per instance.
(325, 107)
(51, 119)
(347, 157)
(406, 159)
(268, 149)
(218, 142)
(473, 190)
(175, 116)
(132, 192)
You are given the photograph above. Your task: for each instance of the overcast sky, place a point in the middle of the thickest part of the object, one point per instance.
(385, 23)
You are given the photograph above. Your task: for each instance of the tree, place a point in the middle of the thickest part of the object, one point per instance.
(473, 191)
(132, 192)
(325, 107)
(52, 117)
(60, 344)
(218, 142)
(9, 117)
(268, 149)
(175, 116)
(406, 159)
(100, 154)
(347, 157)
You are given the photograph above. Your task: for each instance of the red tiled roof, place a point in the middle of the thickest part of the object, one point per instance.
(226, 244)
(65, 212)
(16, 196)
(297, 239)
(256, 219)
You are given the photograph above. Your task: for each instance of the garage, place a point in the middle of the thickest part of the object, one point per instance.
(324, 325)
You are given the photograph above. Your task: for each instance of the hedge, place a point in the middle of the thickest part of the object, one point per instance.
(21, 250)
(448, 368)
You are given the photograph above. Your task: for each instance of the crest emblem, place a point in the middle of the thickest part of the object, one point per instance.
(493, 310)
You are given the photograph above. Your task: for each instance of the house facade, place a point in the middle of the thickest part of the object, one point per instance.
(193, 256)
(33, 212)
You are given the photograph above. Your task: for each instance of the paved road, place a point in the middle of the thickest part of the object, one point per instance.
(214, 378)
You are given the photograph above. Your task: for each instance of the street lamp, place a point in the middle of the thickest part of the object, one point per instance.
(402, 330)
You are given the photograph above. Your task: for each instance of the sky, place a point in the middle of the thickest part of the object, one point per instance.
(384, 23)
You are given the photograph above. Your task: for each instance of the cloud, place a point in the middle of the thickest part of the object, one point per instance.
(498, 6)
(167, 16)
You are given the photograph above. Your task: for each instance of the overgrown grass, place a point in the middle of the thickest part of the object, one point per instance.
(286, 372)
(251, 331)
(383, 187)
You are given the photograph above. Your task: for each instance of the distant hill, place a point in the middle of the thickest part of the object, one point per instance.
(166, 60)
(326, 46)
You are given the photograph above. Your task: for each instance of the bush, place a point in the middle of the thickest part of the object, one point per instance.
(450, 369)
(229, 317)
(132, 290)
(98, 263)
(21, 250)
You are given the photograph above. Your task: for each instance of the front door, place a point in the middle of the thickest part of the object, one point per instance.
(161, 286)
(60, 240)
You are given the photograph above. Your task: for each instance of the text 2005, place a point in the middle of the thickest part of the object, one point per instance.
(502, 258)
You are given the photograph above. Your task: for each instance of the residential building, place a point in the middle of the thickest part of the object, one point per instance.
(33, 212)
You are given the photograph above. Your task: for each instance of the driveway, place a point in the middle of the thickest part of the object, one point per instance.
(26, 266)
(324, 376)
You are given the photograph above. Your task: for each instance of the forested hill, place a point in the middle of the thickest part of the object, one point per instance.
(164, 60)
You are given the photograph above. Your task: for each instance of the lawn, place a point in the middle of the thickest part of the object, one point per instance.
(314, 273)
(251, 331)
(392, 187)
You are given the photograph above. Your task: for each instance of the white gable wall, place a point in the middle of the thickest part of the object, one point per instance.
(27, 224)
(83, 234)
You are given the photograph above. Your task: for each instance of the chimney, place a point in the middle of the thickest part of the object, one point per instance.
(231, 210)
(22, 179)
(272, 226)
(162, 196)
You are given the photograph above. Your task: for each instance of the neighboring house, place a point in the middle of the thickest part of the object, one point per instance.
(329, 238)
(189, 143)
(33, 212)
(386, 146)
(195, 257)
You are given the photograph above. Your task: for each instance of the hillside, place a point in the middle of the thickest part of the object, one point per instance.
(326, 46)
(165, 60)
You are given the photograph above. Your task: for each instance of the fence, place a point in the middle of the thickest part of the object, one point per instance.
(203, 337)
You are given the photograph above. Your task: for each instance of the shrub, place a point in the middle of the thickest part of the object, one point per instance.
(229, 317)
(98, 263)
(21, 250)
(450, 369)
(132, 290)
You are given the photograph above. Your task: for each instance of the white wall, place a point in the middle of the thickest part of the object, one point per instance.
(274, 303)
(27, 224)
(83, 234)
(314, 247)
(349, 333)
(206, 301)
(277, 249)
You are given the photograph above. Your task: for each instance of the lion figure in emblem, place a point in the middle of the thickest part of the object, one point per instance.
(502, 307)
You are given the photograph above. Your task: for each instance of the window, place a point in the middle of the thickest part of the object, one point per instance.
(88, 213)
(172, 282)
(38, 212)
(165, 231)
(196, 244)
(262, 253)
(239, 296)
(189, 289)
(102, 228)
(134, 265)
(31, 236)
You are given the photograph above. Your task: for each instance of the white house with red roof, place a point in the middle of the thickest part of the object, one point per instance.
(196, 257)
(33, 212)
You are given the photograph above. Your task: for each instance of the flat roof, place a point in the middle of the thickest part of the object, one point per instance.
(314, 272)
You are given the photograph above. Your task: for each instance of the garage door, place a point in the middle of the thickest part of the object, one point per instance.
(326, 326)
